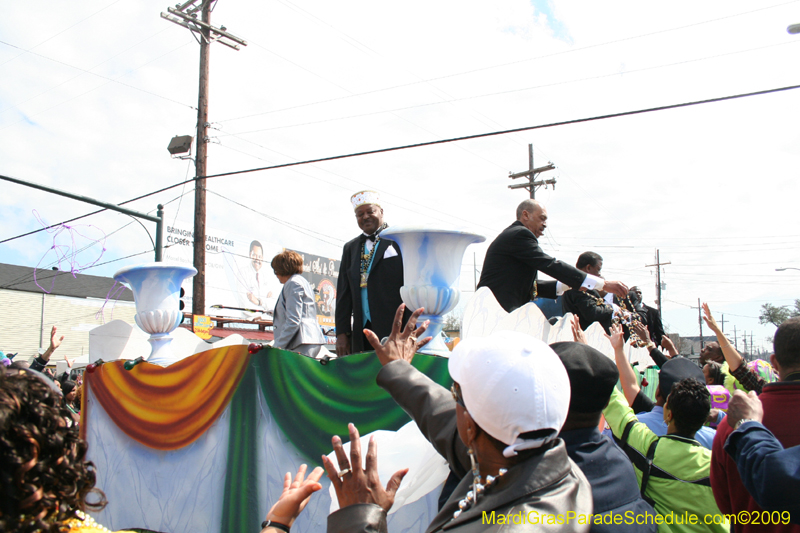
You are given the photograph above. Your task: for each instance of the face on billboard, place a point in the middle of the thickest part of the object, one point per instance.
(256, 257)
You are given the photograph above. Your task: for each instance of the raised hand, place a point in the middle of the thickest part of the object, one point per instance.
(709, 319)
(355, 485)
(400, 344)
(616, 338)
(295, 495)
(577, 332)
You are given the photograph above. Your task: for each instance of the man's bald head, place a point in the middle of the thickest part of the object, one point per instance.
(531, 206)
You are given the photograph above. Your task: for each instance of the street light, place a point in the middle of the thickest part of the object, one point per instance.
(786, 268)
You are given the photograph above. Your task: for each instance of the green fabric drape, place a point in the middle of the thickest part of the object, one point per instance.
(241, 500)
(312, 402)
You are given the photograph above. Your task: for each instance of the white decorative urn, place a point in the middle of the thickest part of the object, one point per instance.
(431, 268)
(156, 291)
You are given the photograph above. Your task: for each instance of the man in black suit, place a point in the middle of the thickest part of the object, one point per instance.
(652, 318)
(370, 278)
(589, 306)
(514, 259)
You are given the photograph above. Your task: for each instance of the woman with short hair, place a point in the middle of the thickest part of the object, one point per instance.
(295, 317)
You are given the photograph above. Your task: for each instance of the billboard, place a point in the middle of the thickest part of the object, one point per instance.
(322, 273)
(240, 282)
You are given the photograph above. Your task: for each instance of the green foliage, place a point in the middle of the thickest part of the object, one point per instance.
(775, 315)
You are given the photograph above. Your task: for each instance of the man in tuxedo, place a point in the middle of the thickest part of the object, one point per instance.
(514, 259)
(652, 317)
(589, 306)
(370, 278)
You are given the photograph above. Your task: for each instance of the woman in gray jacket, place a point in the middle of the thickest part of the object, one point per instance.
(295, 317)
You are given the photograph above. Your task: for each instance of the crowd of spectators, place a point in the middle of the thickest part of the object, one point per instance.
(555, 438)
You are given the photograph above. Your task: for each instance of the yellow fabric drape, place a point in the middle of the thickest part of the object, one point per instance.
(169, 408)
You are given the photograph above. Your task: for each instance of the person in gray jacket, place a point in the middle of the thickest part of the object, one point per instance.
(295, 318)
(497, 427)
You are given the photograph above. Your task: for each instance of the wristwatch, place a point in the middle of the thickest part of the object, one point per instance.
(742, 421)
(269, 523)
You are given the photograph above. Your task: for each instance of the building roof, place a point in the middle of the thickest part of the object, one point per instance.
(60, 283)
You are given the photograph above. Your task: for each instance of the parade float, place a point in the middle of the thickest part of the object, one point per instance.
(191, 436)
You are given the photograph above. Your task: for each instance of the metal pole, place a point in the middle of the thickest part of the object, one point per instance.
(80, 198)
(111, 207)
(160, 234)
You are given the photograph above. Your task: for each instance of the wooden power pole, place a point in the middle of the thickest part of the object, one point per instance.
(531, 174)
(658, 264)
(186, 15)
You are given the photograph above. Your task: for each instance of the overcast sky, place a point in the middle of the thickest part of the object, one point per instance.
(92, 92)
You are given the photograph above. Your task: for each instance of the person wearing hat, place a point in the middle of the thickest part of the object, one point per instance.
(370, 277)
(652, 413)
(514, 259)
(497, 427)
(615, 490)
(673, 470)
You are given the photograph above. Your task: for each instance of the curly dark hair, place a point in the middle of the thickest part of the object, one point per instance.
(690, 404)
(45, 477)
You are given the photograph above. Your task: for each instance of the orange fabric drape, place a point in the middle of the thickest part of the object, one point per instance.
(169, 408)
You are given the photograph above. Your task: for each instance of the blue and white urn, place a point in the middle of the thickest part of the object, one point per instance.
(431, 268)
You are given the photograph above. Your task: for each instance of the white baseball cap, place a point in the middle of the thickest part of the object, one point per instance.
(512, 384)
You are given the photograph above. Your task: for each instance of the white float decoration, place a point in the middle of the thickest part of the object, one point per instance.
(431, 268)
(156, 291)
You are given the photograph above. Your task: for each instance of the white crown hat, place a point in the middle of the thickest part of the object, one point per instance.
(365, 198)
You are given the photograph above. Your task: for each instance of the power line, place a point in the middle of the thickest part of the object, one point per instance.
(62, 31)
(442, 141)
(26, 278)
(300, 229)
(510, 91)
(514, 130)
(89, 71)
(103, 85)
(572, 50)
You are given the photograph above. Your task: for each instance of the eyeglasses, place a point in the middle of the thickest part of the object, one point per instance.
(455, 389)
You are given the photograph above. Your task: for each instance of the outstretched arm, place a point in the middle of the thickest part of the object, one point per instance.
(627, 376)
(732, 357)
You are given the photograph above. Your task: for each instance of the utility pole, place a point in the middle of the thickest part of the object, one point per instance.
(744, 337)
(722, 321)
(700, 321)
(735, 343)
(186, 15)
(658, 264)
(531, 174)
(752, 349)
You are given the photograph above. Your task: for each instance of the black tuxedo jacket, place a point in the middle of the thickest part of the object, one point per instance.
(383, 292)
(584, 306)
(512, 263)
(654, 324)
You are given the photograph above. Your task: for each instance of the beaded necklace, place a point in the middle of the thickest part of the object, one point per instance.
(86, 522)
(478, 489)
(366, 258)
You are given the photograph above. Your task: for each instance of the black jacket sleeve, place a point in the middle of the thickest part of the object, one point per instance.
(431, 406)
(344, 296)
(658, 357)
(642, 403)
